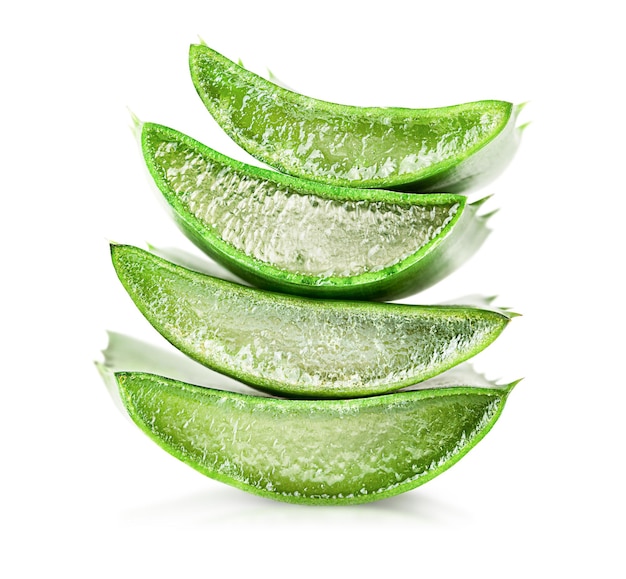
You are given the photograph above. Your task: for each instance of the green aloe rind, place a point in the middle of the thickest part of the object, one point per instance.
(298, 346)
(451, 149)
(296, 236)
(324, 452)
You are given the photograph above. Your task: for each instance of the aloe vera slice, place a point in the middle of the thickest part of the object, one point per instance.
(312, 451)
(447, 149)
(301, 346)
(301, 237)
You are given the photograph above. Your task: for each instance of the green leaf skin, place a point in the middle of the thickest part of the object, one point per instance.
(451, 149)
(301, 346)
(324, 452)
(296, 236)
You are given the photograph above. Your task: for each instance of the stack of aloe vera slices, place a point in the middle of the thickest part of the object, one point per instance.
(358, 399)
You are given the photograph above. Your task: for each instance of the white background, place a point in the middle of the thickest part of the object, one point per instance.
(85, 493)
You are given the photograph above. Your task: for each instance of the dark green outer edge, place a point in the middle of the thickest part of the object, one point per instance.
(501, 393)
(288, 389)
(412, 274)
(407, 180)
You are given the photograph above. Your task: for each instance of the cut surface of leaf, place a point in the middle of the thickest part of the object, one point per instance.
(449, 149)
(296, 236)
(312, 451)
(301, 346)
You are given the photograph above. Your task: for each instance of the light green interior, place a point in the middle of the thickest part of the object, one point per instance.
(295, 231)
(303, 346)
(306, 136)
(329, 450)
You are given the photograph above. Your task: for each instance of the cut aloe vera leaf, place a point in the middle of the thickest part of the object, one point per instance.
(297, 236)
(301, 346)
(312, 451)
(448, 149)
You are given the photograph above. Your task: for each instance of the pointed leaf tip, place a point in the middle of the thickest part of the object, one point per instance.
(481, 201)
(512, 385)
(518, 108)
(137, 125)
(476, 205)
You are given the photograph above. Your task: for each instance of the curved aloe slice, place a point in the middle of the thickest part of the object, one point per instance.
(300, 237)
(313, 451)
(301, 346)
(443, 149)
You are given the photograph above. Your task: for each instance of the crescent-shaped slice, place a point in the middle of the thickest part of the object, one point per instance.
(312, 451)
(301, 346)
(297, 236)
(451, 149)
